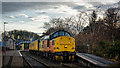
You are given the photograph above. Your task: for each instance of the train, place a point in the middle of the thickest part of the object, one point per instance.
(59, 46)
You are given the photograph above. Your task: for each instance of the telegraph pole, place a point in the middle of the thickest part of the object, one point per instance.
(3, 41)
(4, 49)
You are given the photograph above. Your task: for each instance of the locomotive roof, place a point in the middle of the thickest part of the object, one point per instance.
(58, 31)
(48, 36)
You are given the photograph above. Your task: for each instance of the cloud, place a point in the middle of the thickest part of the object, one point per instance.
(39, 11)
(64, 9)
(29, 26)
(22, 15)
(21, 21)
(109, 2)
(12, 17)
(19, 6)
(31, 15)
(59, 0)
(40, 18)
(19, 15)
(32, 19)
(59, 10)
(87, 5)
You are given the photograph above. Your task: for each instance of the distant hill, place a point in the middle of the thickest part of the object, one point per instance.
(22, 35)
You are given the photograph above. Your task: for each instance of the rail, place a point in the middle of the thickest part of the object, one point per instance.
(30, 65)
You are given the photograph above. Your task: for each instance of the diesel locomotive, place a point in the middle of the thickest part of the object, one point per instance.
(59, 46)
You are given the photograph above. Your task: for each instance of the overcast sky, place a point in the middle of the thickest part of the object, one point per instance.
(31, 15)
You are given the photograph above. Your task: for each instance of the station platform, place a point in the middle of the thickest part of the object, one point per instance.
(12, 59)
(96, 60)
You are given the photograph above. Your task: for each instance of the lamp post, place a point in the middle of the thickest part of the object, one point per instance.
(4, 49)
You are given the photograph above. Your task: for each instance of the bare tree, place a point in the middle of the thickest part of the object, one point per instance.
(73, 23)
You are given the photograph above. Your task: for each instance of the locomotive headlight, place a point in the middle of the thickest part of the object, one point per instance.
(65, 46)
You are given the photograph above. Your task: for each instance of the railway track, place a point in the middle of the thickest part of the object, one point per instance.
(51, 64)
(32, 62)
(28, 64)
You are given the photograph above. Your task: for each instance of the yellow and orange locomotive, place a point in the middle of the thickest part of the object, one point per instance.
(58, 46)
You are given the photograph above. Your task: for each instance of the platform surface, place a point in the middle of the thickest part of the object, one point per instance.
(12, 59)
(94, 59)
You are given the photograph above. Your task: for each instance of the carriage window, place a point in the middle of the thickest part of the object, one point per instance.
(47, 42)
(67, 34)
(55, 35)
(61, 33)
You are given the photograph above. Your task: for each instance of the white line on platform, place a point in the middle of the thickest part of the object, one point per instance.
(87, 59)
(20, 53)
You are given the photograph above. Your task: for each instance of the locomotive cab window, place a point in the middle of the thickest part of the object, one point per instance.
(67, 34)
(61, 33)
(55, 35)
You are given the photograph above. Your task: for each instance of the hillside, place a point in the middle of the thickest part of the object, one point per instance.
(22, 35)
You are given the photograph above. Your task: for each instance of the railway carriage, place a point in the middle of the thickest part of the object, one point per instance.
(59, 46)
(34, 46)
